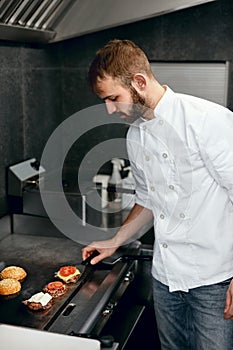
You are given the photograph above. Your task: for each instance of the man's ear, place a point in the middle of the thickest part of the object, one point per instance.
(139, 82)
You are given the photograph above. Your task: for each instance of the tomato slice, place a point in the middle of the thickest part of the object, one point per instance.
(54, 285)
(67, 270)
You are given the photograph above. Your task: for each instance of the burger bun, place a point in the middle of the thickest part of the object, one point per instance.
(13, 272)
(9, 286)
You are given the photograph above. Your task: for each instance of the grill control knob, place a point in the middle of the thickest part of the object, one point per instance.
(106, 312)
(129, 277)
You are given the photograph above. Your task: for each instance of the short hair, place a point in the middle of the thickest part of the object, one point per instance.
(119, 59)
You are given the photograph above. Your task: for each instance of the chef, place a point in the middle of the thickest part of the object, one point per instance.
(181, 152)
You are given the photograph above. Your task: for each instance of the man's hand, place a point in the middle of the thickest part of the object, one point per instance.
(105, 249)
(228, 311)
(137, 217)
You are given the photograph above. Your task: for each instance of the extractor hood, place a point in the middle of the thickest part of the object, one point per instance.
(50, 21)
(31, 20)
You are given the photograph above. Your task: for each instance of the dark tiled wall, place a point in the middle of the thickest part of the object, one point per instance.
(43, 85)
(30, 103)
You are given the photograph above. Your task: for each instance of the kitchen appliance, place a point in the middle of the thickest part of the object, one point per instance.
(23, 189)
(48, 21)
(88, 306)
(110, 299)
(22, 176)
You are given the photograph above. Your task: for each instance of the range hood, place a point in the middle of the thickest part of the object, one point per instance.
(49, 21)
(31, 20)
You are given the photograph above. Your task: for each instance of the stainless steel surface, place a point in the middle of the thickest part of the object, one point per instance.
(20, 19)
(29, 12)
(114, 347)
(91, 16)
(58, 13)
(24, 195)
(20, 11)
(46, 16)
(20, 174)
(6, 8)
(72, 18)
(196, 78)
(16, 33)
(37, 13)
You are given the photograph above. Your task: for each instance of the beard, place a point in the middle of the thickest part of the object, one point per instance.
(138, 109)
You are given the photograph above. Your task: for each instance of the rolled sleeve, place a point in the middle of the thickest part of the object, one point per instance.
(141, 196)
(133, 149)
(216, 145)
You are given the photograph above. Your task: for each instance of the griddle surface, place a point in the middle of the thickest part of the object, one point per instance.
(41, 257)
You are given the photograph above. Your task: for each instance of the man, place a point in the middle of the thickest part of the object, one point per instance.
(181, 153)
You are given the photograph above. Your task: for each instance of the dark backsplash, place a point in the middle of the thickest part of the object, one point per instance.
(43, 85)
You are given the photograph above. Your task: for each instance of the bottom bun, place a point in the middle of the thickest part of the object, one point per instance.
(9, 286)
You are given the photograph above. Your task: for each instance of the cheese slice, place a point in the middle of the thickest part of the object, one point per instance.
(67, 278)
(40, 297)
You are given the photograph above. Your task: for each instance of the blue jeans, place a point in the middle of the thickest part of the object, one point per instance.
(193, 320)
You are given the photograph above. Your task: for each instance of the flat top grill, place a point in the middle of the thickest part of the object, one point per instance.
(41, 257)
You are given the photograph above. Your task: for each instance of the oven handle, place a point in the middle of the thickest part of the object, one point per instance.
(112, 260)
(105, 340)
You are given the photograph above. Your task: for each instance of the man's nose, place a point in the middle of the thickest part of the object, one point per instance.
(111, 107)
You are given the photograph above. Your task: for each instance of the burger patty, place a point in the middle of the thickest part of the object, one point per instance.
(73, 279)
(37, 306)
(55, 289)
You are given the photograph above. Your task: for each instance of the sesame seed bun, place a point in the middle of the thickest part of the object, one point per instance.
(9, 286)
(15, 272)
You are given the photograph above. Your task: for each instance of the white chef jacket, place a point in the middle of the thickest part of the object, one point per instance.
(182, 162)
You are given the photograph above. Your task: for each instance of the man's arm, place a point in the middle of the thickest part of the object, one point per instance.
(137, 218)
